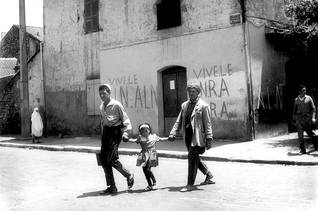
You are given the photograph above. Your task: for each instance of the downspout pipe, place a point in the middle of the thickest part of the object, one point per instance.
(43, 85)
(250, 120)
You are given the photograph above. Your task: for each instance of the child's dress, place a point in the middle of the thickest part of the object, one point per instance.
(148, 152)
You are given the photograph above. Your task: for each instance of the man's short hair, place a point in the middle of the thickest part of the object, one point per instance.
(105, 86)
(300, 87)
(194, 86)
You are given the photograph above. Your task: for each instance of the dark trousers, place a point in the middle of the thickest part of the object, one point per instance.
(149, 175)
(194, 160)
(109, 154)
(303, 124)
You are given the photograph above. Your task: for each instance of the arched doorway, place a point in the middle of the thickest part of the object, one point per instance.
(174, 82)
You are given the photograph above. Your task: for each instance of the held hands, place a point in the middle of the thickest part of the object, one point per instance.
(313, 120)
(171, 138)
(125, 137)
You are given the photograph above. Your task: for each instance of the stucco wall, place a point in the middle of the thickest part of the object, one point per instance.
(126, 22)
(36, 97)
(269, 81)
(70, 58)
(64, 45)
(134, 52)
(214, 59)
(130, 53)
(267, 68)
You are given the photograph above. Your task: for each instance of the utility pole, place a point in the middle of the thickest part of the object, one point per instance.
(24, 86)
(250, 120)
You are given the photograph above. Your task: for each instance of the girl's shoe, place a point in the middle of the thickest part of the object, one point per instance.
(208, 180)
(148, 188)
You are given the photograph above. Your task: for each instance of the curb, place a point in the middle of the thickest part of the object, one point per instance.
(161, 153)
(52, 147)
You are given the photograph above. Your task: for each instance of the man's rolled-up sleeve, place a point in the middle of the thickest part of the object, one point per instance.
(125, 119)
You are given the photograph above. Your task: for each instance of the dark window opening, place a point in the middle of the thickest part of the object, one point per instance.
(91, 16)
(168, 14)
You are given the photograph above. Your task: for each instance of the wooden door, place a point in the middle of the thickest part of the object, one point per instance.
(174, 94)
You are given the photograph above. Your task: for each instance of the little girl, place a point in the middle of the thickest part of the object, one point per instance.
(147, 157)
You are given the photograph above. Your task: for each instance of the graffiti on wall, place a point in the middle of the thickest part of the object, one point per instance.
(215, 88)
(271, 98)
(131, 94)
(270, 106)
(215, 82)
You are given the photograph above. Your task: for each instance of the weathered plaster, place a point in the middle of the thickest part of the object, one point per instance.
(259, 11)
(73, 54)
(126, 22)
(67, 114)
(70, 58)
(208, 61)
(36, 95)
(130, 53)
(267, 65)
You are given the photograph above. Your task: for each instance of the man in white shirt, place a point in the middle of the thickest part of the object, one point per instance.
(115, 127)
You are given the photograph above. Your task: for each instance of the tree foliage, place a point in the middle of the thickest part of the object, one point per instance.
(303, 30)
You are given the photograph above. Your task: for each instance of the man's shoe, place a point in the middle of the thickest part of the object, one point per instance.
(208, 180)
(188, 188)
(110, 190)
(130, 181)
(148, 188)
(154, 186)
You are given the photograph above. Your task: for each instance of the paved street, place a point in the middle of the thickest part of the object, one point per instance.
(45, 180)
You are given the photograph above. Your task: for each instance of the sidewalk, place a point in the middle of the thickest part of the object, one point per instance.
(278, 150)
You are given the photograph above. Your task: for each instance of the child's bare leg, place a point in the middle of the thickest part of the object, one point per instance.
(147, 175)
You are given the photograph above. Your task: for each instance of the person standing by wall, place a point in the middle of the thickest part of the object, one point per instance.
(115, 127)
(194, 120)
(304, 116)
(36, 126)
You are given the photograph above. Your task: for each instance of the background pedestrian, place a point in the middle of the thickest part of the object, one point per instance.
(36, 126)
(304, 117)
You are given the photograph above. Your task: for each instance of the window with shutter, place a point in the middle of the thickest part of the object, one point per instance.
(91, 16)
